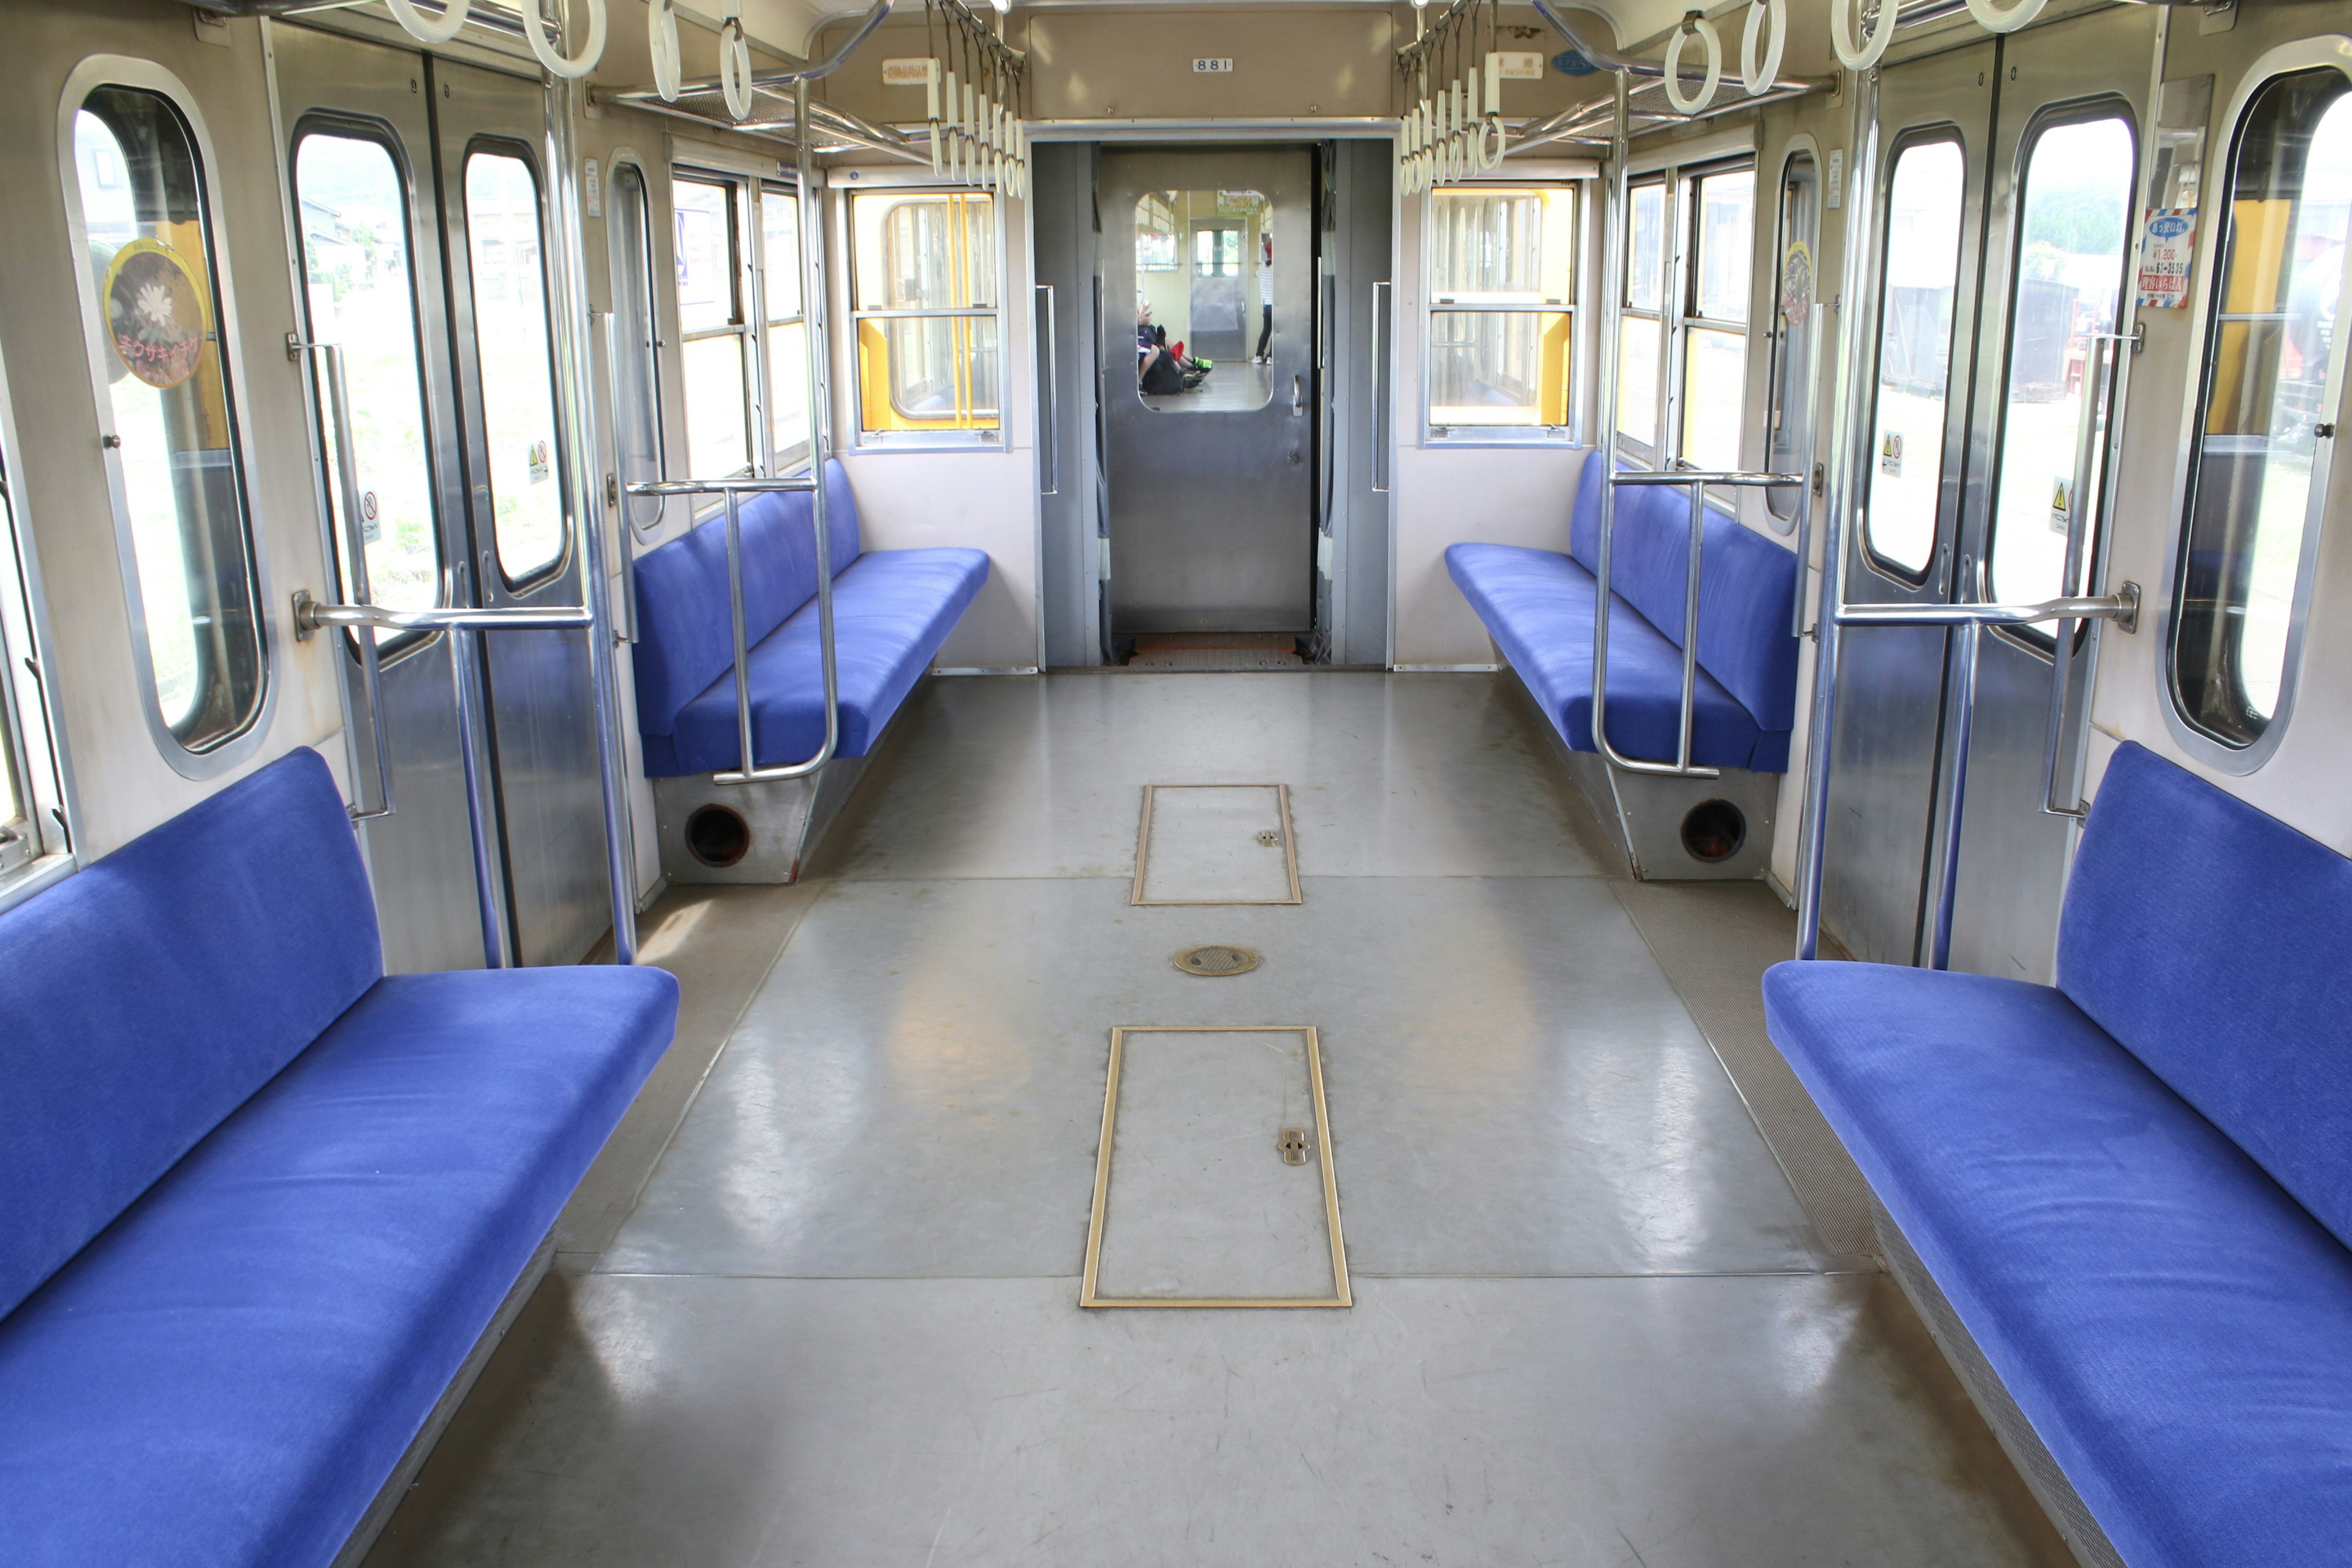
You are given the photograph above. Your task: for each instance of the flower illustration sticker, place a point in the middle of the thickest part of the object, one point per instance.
(154, 313)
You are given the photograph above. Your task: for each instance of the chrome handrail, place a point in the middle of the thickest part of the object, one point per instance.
(748, 770)
(354, 551)
(1698, 479)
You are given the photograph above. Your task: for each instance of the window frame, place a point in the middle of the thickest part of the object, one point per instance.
(743, 283)
(1687, 214)
(842, 233)
(1579, 190)
(129, 72)
(2285, 60)
(790, 460)
(619, 244)
(358, 128)
(1665, 408)
(2042, 640)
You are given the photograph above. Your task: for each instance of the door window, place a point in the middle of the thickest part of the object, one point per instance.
(2072, 229)
(1203, 323)
(1790, 424)
(1915, 355)
(636, 333)
(1502, 292)
(512, 343)
(359, 290)
(924, 297)
(142, 203)
(2256, 478)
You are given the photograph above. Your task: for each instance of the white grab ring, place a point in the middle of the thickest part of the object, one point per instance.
(1714, 42)
(534, 32)
(1993, 19)
(661, 33)
(1759, 78)
(1874, 44)
(412, 20)
(1494, 127)
(735, 68)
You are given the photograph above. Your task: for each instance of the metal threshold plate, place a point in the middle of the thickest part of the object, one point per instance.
(1213, 1186)
(1215, 843)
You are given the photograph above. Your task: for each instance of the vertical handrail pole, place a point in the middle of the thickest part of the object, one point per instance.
(466, 685)
(1613, 285)
(1690, 625)
(735, 622)
(1939, 948)
(575, 374)
(1849, 447)
(1050, 431)
(816, 309)
(2078, 515)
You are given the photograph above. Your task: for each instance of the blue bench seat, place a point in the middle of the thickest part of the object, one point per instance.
(893, 610)
(2135, 1187)
(1538, 606)
(263, 1200)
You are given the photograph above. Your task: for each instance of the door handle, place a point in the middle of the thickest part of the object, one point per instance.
(1379, 391)
(1297, 396)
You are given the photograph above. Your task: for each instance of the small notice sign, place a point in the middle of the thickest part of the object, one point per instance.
(1212, 68)
(919, 72)
(2165, 255)
(1519, 65)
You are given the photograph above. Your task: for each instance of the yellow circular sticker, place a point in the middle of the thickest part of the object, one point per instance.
(154, 313)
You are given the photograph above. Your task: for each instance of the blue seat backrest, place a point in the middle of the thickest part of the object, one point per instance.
(151, 993)
(684, 636)
(1745, 590)
(2215, 944)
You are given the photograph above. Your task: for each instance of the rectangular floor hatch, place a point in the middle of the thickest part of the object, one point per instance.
(1213, 1186)
(1215, 843)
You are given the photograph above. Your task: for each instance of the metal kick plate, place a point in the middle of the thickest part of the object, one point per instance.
(1213, 1184)
(1215, 843)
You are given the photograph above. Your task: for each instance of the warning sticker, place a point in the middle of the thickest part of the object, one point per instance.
(2165, 255)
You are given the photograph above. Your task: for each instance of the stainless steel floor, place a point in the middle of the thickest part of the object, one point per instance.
(1594, 1324)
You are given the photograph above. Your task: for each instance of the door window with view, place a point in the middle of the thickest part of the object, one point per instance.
(511, 341)
(1206, 330)
(1915, 355)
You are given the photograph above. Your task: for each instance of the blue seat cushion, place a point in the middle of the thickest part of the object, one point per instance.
(228, 1375)
(2216, 944)
(891, 611)
(2175, 1327)
(686, 636)
(1539, 608)
(151, 993)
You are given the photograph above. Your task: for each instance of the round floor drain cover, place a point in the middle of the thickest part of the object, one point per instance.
(1216, 959)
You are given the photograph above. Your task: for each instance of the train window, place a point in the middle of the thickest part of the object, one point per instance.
(512, 346)
(713, 325)
(171, 411)
(360, 293)
(1642, 330)
(1211, 299)
(1915, 355)
(1790, 424)
(786, 327)
(1503, 291)
(1722, 207)
(2257, 474)
(924, 297)
(637, 337)
(2067, 286)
